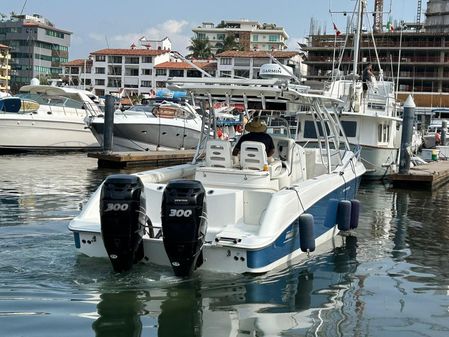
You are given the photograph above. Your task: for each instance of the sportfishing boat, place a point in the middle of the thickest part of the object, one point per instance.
(165, 125)
(43, 117)
(224, 214)
(370, 120)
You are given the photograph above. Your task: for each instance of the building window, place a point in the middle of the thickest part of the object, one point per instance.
(161, 72)
(100, 58)
(99, 82)
(147, 59)
(256, 38)
(114, 59)
(226, 61)
(114, 82)
(145, 84)
(176, 73)
(132, 72)
(225, 74)
(201, 36)
(147, 72)
(193, 73)
(132, 60)
(273, 38)
(99, 70)
(220, 37)
(54, 33)
(241, 62)
(160, 84)
(241, 73)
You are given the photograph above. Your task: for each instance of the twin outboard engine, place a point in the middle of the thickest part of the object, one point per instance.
(184, 224)
(122, 214)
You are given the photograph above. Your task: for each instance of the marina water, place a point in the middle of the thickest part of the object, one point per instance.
(391, 278)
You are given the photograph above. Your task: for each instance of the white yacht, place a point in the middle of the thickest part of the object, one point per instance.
(371, 120)
(47, 118)
(225, 214)
(160, 126)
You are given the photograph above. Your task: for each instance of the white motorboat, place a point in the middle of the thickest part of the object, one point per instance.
(160, 126)
(219, 215)
(371, 121)
(47, 118)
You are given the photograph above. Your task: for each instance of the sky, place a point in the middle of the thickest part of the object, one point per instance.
(99, 24)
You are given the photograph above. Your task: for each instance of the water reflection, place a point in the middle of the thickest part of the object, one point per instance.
(119, 315)
(299, 300)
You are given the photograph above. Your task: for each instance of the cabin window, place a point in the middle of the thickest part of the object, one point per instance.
(350, 128)
(310, 132)
(383, 133)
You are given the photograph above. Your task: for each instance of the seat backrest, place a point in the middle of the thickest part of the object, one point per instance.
(253, 155)
(218, 153)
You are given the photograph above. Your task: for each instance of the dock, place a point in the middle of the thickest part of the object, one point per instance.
(142, 159)
(429, 177)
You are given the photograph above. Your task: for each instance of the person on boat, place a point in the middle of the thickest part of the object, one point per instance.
(257, 133)
(367, 77)
(438, 137)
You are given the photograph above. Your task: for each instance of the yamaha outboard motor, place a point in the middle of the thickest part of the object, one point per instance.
(122, 213)
(184, 224)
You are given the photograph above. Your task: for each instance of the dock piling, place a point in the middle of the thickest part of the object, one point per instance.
(108, 132)
(407, 134)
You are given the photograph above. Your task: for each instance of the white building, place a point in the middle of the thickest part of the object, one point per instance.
(78, 73)
(251, 35)
(132, 69)
(247, 63)
(182, 69)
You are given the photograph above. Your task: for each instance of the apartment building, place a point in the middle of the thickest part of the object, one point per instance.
(78, 73)
(132, 69)
(251, 35)
(5, 68)
(247, 64)
(38, 48)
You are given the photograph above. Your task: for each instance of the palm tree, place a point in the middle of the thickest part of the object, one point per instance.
(229, 43)
(200, 48)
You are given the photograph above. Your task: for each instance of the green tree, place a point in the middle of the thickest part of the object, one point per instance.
(229, 43)
(199, 48)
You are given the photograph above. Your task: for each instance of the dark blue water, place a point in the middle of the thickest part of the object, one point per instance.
(391, 279)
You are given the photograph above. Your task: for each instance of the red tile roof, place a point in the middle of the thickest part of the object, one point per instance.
(130, 52)
(258, 54)
(77, 62)
(185, 65)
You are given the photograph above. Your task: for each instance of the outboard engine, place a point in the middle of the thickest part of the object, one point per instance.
(122, 214)
(184, 224)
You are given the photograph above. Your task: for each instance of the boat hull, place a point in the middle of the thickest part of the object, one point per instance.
(236, 258)
(23, 133)
(149, 136)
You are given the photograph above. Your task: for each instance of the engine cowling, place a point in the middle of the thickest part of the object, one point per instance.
(184, 224)
(122, 215)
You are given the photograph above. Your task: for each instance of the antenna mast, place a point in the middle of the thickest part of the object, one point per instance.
(378, 15)
(418, 12)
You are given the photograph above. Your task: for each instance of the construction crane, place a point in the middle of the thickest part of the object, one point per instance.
(378, 15)
(418, 13)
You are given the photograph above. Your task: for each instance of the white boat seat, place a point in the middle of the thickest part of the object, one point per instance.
(218, 153)
(253, 156)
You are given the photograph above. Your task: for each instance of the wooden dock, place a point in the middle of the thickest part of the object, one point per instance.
(142, 159)
(429, 177)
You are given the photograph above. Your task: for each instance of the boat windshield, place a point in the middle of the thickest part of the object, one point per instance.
(53, 100)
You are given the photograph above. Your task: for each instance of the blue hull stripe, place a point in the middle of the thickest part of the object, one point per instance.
(324, 213)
